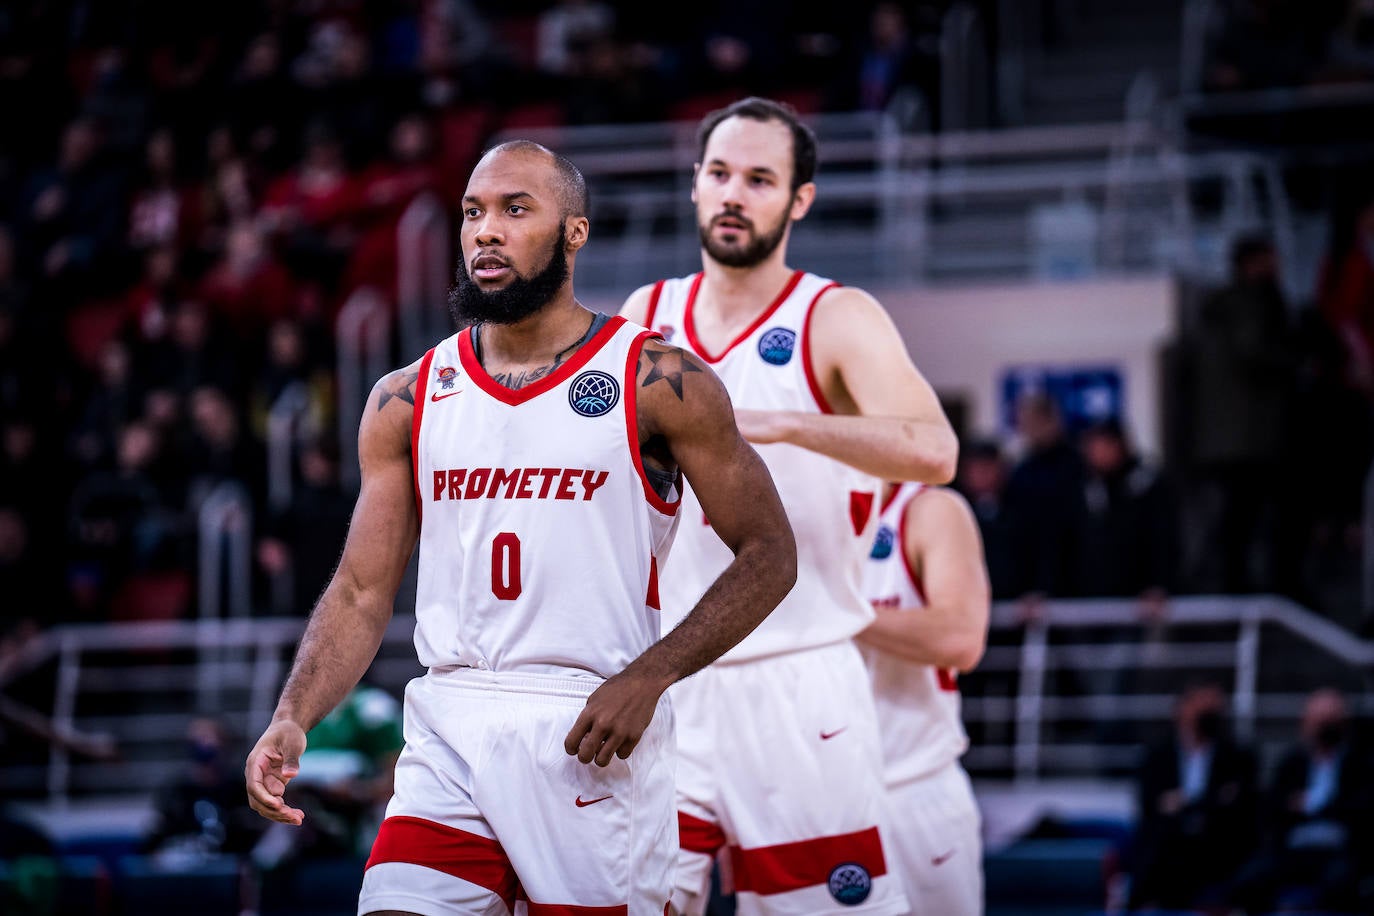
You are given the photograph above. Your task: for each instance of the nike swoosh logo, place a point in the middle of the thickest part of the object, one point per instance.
(591, 801)
(436, 396)
(826, 736)
(941, 860)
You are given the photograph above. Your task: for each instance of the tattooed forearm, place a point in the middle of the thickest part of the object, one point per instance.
(397, 385)
(667, 366)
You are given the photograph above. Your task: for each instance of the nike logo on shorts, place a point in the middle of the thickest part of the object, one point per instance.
(941, 860)
(826, 736)
(590, 801)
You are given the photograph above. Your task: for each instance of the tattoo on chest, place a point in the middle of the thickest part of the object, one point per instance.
(668, 367)
(398, 385)
(517, 379)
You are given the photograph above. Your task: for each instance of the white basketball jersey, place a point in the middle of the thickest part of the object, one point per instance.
(830, 504)
(918, 705)
(540, 537)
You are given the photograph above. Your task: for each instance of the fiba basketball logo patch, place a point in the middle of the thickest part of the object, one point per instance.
(882, 543)
(776, 346)
(850, 883)
(447, 375)
(593, 393)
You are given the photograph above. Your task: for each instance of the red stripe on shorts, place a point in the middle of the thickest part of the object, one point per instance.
(475, 859)
(793, 866)
(563, 909)
(696, 835)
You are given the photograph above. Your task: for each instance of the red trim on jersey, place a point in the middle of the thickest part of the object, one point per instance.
(697, 835)
(630, 400)
(651, 599)
(891, 497)
(860, 509)
(567, 909)
(793, 866)
(807, 365)
(476, 859)
(417, 412)
(654, 296)
(555, 378)
(689, 326)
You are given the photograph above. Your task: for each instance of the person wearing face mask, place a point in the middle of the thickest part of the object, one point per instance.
(1317, 814)
(1197, 792)
(201, 814)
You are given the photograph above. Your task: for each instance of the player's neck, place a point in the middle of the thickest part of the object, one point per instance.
(735, 294)
(537, 339)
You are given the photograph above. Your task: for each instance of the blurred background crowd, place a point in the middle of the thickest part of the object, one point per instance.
(189, 193)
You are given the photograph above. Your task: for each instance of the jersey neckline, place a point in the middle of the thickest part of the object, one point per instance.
(689, 323)
(515, 397)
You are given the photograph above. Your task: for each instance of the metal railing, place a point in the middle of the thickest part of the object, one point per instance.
(964, 70)
(919, 208)
(424, 263)
(138, 683)
(363, 350)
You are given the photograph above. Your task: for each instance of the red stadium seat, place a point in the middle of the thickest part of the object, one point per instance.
(153, 596)
(90, 326)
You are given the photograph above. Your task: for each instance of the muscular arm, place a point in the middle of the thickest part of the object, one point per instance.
(349, 620)
(887, 421)
(682, 401)
(942, 543)
(736, 493)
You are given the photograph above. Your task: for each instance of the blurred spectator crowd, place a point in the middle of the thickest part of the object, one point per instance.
(1219, 832)
(188, 193)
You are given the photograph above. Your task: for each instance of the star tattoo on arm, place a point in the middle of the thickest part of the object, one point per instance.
(668, 366)
(397, 385)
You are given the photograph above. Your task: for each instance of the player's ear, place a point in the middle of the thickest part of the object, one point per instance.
(576, 230)
(801, 200)
(696, 170)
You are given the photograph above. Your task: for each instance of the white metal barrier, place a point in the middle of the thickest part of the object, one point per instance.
(424, 263)
(248, 669)
(363, 350)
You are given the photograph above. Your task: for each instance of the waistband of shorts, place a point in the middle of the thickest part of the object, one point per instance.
(549, 685)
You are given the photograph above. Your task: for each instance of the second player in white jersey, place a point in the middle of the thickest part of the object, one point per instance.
(927, 582)
(831, 505)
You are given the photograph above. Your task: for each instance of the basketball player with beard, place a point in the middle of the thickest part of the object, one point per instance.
(786, 791)
(538, 457)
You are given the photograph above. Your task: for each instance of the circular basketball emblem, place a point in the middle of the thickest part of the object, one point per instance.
(593, 393)
(850, 884)
(776, 346)
(882, 543)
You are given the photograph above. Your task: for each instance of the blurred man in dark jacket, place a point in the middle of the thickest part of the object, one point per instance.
(1318, 812)
(1197, 807)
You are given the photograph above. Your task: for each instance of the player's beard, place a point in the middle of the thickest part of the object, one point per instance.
(753, 252)
(469, 304)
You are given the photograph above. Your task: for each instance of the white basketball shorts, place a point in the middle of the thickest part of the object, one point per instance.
(489, 809)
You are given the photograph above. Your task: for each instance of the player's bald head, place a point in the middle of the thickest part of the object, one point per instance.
(568, 183)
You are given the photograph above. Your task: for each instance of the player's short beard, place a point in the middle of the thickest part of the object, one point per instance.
(469, 304)
(754, 252)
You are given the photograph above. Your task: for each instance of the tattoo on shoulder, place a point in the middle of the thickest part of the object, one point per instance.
(668, 366)
(398, 385)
